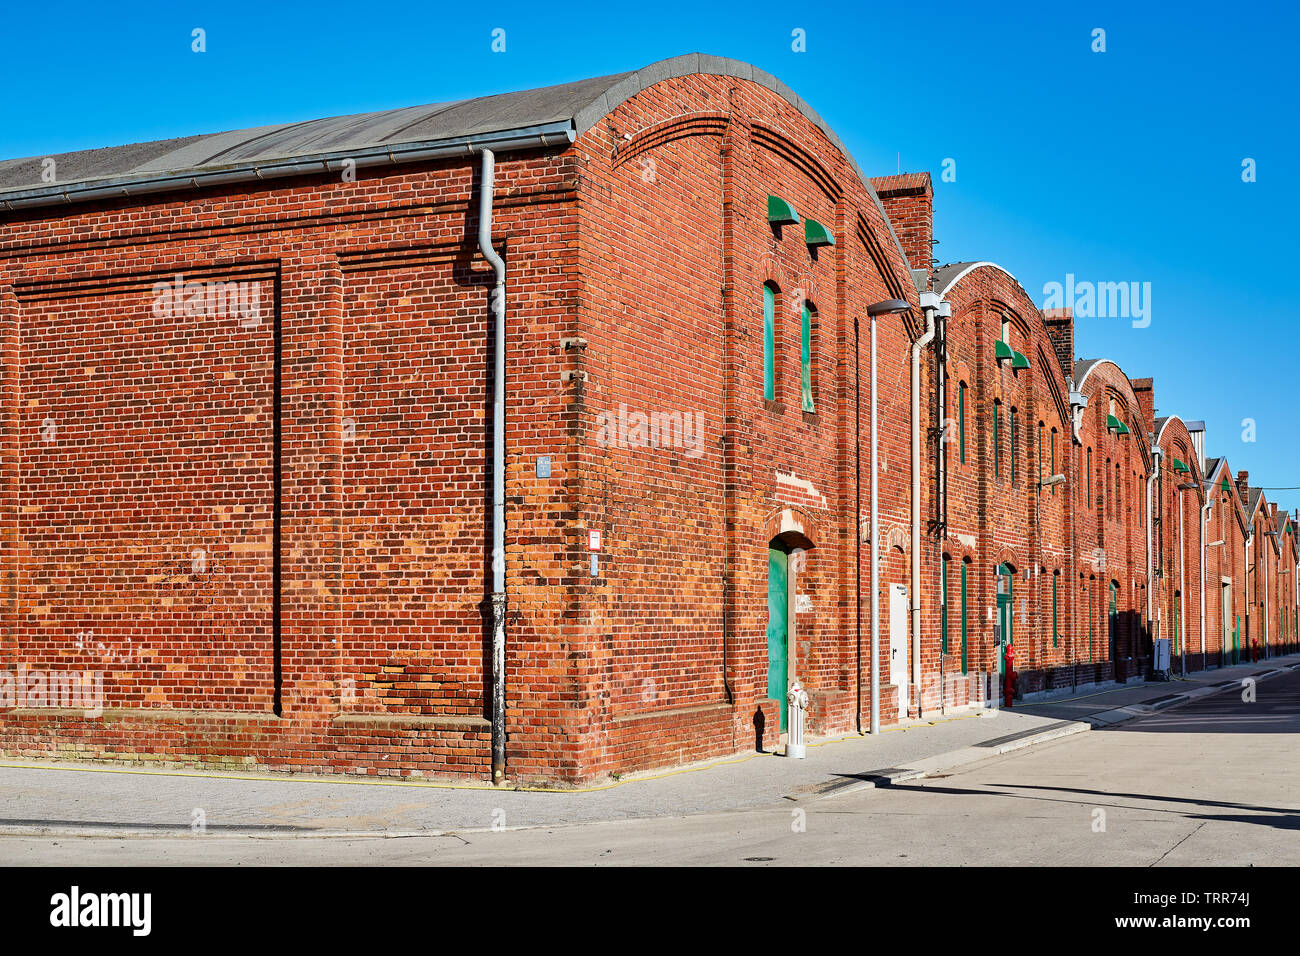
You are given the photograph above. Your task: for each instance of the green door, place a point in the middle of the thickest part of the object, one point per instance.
(1113, 622)
(777, 611)
(1005, 614)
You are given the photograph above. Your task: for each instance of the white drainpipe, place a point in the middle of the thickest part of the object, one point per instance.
(1263, 625)
(1158, 457)
(929, 304)
(498, 470)
(1250, 562)
(1182, 586)
(875, 549)
(1205, 517)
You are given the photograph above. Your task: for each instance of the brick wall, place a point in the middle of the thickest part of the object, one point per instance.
(268, 531)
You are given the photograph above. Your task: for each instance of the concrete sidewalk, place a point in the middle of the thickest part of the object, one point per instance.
(75, 799)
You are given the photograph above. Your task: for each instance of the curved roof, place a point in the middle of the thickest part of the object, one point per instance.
(947, 276)
(1084, 368)
(1163, 422)
(565, 112)
(462, 119)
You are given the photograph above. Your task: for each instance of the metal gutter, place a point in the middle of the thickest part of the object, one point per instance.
(533, 137)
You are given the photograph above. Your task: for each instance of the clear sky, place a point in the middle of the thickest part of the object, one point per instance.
(1115, 166)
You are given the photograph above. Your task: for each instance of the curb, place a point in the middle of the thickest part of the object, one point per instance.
(953, 759)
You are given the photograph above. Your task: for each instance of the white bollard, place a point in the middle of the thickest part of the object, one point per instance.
(797, 698)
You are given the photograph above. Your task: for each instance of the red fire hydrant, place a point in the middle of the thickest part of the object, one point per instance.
(1008, 678)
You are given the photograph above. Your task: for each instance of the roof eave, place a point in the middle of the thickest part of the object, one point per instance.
(531, 137)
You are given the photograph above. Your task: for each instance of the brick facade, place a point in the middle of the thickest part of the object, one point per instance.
(268, 530)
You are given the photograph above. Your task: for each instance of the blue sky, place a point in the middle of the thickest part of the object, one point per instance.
(1117, 166)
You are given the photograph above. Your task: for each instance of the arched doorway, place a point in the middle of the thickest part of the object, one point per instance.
(1006, 613)
(787, 555)
(778, 625)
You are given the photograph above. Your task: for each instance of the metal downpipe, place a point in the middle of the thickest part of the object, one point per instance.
(498, 303)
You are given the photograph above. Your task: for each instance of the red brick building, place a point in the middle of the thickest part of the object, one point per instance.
(271, 531)
(1178, 496)
(1224, 548)
(249, 457)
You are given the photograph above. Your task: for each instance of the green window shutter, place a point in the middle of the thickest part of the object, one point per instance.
(805, 358)
(780, 212)
(943, 607)
(963, 617)
(997, 443)
(1039, 450)
(769, 342)
(1011, 421)
(1053, 466)
(815, 234)
(961, 422)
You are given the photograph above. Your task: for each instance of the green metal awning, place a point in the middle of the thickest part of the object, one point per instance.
(1223, 485)
(1018, 360)
(1179, 466)
(1113, 423)
(815, 234)
(780, 212)
(1002, 351)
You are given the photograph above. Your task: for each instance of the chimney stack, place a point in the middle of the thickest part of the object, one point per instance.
(1197, 432)
(1243, 484)
(908, 199)
(1060, 329)
(1145, 391)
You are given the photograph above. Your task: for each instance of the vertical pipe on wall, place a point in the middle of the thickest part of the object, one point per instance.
(1157, 459)
(875, 549)
(1205, 517)
(857, 519)
(1182, 586)
(498, 302)
(917, 346)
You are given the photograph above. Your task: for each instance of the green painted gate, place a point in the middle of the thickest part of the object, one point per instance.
(777, 622)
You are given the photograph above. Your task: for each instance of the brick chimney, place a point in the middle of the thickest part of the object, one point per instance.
(908, 199)
(1145, 391)
(1243, 484)
(1060, 329)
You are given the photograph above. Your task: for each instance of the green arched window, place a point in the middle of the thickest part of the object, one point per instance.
(769, 341)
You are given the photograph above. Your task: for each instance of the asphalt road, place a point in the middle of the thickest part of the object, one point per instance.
(1213, 782)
